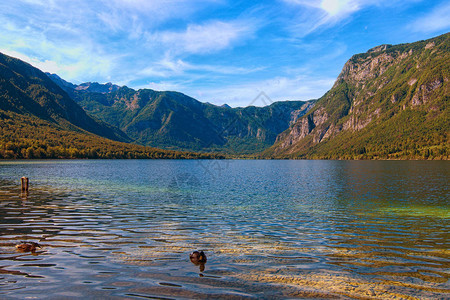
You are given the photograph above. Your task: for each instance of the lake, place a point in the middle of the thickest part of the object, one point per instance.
(270, 229)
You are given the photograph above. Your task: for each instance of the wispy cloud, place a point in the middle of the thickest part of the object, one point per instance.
(332, 8)
(96, 38)
(278, 88)
(138, 16)
(69, 59)
(203, 38)
(47, 65)
(54, 37)
(314, 15)
(219, 51)
(168, 67)
(438, 19)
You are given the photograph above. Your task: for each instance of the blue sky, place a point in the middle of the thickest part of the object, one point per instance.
(213, 50)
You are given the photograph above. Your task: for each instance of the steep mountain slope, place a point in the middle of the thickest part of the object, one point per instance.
(173, 120)
(39, 120)
(27, 90)
(391, 102)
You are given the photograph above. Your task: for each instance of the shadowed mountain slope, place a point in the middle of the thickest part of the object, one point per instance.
(27, 90)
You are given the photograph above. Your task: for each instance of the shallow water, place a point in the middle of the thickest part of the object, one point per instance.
(270, 229)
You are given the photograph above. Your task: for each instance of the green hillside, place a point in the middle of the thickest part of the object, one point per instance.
(24, 89)
(23, 136)
(172, 120)
(389, 103)
(39, 120)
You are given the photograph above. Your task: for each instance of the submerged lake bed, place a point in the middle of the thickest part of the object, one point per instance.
(270, 229)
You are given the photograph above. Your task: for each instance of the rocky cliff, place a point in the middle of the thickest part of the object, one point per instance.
(390, 102)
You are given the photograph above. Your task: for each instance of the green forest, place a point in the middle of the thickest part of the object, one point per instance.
(27, 137)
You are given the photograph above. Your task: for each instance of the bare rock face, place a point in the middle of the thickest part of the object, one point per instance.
(304, 127)
(96, 87)
(296, 114)
(429, 45)
(300, 130)
(424, 91)
(359, 71)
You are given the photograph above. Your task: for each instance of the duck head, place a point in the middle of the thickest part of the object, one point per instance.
(197, 257)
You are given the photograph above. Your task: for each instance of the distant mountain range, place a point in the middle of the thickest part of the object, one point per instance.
(389, 103)
(38, 119)
(172, 120)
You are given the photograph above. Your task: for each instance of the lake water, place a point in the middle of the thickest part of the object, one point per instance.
(270, 229)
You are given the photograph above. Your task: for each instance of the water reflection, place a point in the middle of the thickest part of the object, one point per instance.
(278, 229)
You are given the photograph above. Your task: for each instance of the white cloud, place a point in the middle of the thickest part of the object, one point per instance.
(80, 42)
(316, 14)
(54, 36)
(206, 38)
(70, 59)
(161, 8)
(40, 2)
(332, 8)
(280, 88)
(339, 7)
(437, 20)
(84, 39)
(130, 15)
(169, 67)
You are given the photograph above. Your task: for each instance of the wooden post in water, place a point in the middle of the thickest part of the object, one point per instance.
(25, 184)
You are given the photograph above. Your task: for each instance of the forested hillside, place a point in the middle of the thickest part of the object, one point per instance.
(389, 103)
(172, 120)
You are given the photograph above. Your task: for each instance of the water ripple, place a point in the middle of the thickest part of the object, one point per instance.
(272, 232)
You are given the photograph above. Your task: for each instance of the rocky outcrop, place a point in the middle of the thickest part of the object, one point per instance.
(298, 113)
(95, 87)
(304, 127)
(424, 91)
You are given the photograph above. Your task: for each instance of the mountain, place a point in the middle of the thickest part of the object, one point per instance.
(27, 90)
(39, 120)
(391, 102)
(172, 120)
(93, 87)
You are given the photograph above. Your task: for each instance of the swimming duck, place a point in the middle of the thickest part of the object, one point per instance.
(28, 246)
(197, 257)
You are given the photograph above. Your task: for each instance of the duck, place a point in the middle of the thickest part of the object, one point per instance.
(197, 257)
(28, 246)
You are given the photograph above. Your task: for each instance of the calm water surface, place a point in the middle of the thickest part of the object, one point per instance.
(270, 229)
